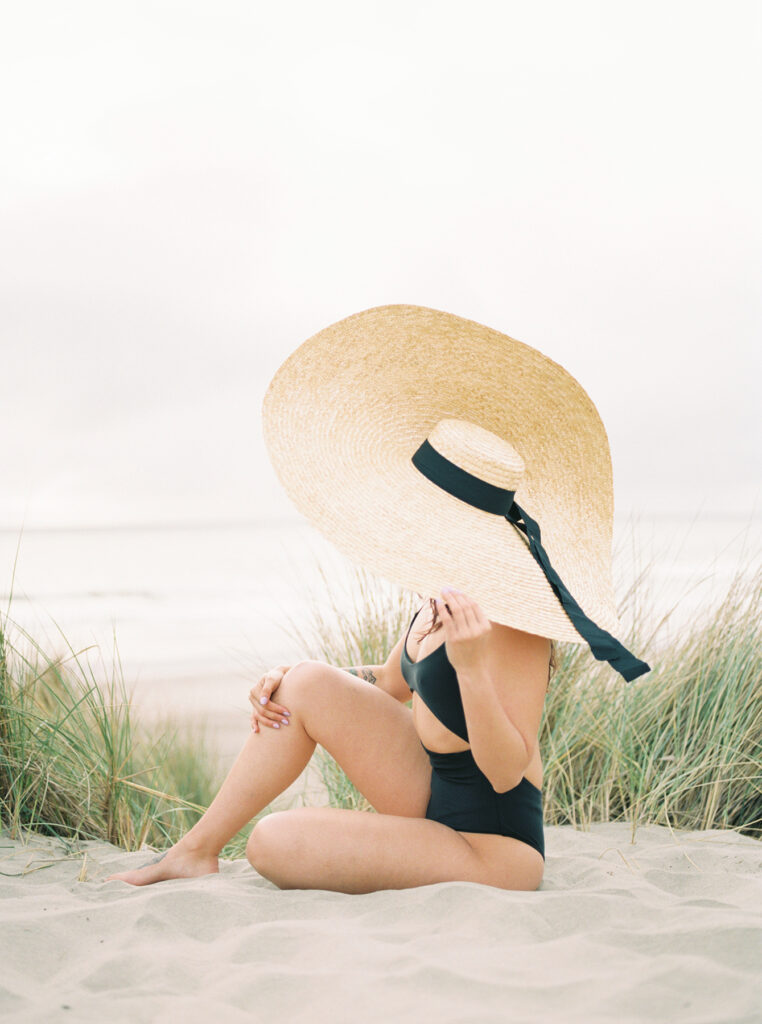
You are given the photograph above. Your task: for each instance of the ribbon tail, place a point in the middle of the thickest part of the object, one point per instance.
(603, 645)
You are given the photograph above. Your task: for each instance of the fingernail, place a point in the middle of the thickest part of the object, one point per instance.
(285, 721)
(275, 725)
(286, 712)
(263, 700)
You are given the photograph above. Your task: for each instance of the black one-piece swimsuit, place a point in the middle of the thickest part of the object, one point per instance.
(461, 794)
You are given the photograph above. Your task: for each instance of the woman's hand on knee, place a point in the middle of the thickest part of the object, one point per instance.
(266, 710)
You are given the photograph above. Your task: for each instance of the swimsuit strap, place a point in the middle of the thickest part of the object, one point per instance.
(410, 627)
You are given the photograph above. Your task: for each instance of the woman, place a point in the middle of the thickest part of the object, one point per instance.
(405, 434)
(384, 748)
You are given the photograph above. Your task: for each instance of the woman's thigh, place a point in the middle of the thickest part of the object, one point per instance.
(359, 852)
(369, 734)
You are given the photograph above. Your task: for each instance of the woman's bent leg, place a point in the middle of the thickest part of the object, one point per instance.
(369, 733)
(256, 778)
(264, 768)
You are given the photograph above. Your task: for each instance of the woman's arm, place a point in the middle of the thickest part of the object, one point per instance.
(370, 673)
(387, 677)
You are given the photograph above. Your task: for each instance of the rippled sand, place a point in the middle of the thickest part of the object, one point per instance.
(666, 929)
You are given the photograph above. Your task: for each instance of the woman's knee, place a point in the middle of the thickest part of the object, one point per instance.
(257, 841)
(300, 691)
(304, 680)
(307, 670)
(306, 665)
(268, 840)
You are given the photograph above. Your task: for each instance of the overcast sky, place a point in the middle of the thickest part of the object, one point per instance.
(190, 190)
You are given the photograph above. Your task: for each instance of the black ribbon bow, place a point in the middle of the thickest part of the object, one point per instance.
(469, 488)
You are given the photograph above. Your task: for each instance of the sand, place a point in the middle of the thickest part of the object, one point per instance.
(668, 928)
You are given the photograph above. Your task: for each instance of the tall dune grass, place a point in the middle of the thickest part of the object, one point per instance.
(681, 746)
(73, 764)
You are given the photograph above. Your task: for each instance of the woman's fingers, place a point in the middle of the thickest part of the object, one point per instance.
(260, 695)
(270, 681)
(266, 711)
(270, 707)
(274, 722)
(462, 608)
(270, 713)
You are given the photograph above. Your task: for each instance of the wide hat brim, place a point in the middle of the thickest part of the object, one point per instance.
(347, 409)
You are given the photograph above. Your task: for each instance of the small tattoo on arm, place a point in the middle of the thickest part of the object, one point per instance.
(363, 673)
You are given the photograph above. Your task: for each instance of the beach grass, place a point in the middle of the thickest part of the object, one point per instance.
(74, 763)
(680, 746)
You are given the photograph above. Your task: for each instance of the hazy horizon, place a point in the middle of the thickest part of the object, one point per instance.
(296, 519)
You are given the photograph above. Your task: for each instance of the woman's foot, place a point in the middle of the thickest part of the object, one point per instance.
(177, 862)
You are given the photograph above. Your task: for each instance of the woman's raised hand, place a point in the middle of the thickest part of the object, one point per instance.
(265, 709)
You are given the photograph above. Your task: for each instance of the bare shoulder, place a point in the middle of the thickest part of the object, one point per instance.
(503, 634)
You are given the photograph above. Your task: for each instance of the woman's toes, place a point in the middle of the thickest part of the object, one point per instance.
(133, 877)
(171, 864)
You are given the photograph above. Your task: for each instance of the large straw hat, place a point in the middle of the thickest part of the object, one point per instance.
(423, 445)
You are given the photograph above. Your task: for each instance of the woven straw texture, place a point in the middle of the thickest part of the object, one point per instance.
(347, 409)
